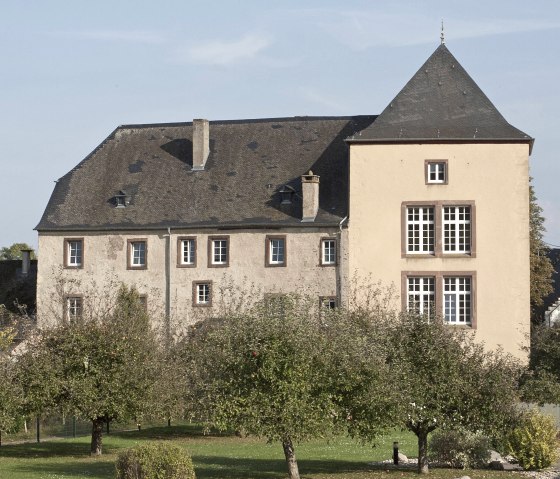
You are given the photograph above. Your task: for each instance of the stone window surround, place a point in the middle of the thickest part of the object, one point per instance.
(195, 302)
(445, 172)
(438, 229)
(67, 298)
(180, 263)
(211, 240)
(324, 299)
(321, 251)
(129, 264)
(267, 251)
(439, 275)
(67, 242)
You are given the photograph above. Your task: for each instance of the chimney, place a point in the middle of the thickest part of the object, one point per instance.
(201, 144)
(25, 261)
(310, 194)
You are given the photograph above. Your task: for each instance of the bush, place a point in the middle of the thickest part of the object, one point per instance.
(534, 442)
(155, 461)
(460, 449)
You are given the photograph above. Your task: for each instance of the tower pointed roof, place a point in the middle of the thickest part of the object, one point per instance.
(441, 102)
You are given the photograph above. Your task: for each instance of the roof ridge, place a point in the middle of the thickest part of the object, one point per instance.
(246, 121)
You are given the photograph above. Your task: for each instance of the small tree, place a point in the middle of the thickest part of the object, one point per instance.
(541, 383)
(14, 251)
(99, 368)
(11, 400)
(263, 372)
(541, 267)
(447, 380)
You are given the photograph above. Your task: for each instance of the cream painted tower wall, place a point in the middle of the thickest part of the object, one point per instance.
(493, 176)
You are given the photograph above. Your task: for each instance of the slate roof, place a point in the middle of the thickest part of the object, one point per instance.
(250, 160)
(441, 102)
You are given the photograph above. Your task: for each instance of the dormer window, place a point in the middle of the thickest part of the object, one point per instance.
(286, 194)
(121, 200)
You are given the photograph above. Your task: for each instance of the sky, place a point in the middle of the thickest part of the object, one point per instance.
(72, 71)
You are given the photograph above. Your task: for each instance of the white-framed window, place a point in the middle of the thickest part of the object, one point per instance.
(74, 308)
(328, 302)
(456, 229)
(328, 251)
(457, 296)
(421, 295)
(218, 254)
(188, 251)
(202, 293)
(436, 172)
(420, 230)
(275, 251)
(137, 254)
(74, 252)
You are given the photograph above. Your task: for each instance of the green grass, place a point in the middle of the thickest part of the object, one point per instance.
(218, 457)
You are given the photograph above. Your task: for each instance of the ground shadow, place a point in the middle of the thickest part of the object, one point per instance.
(217, 467)
(96, 470)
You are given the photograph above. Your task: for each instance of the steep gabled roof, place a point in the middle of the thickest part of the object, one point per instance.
(249, 162)
(441, 102)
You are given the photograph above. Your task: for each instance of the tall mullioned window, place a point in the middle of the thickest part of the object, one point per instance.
(456, 229)
(457, 300)
(421, 295)
(420, 229)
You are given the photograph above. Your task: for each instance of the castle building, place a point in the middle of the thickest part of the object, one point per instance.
(431, 196)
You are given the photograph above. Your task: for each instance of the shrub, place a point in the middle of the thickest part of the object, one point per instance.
(460, 449)
(534, 442)
(154, 461)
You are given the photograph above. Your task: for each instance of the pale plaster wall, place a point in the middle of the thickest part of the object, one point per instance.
(495, 177)
(105, 261)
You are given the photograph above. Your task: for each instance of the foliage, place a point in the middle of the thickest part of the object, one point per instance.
(154, 461)
(11, 400)
(446, 380)
(459, 448)
(541, 384)
(540, 265)
(7, 333)
(363, 388)
(14, 251)
(99, 369)
(533, 442)
(270, 371)
(170, 385)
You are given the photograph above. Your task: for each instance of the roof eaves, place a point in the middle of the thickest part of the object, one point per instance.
(225, 226)
(387, 141)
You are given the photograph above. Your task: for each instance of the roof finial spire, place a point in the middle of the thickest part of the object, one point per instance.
(442, 36)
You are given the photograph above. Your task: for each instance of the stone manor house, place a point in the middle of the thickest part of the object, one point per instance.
(430, 196)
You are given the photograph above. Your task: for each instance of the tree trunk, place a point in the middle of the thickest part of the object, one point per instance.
(422, 452)
(293, 472)
(96, 437)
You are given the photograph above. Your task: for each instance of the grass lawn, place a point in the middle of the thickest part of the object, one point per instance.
(218, 457)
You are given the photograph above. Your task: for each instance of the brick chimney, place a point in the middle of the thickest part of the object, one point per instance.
(25, 261)
(310, 194)
(201, 143)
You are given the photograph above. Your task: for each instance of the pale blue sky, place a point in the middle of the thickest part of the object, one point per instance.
(74, 70)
